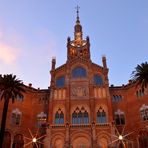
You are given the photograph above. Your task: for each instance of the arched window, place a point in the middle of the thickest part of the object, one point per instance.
(86, 117)
(44, 99)
(7, 140)
(16, 117)
(101, 116)
(79, 72)
(98, 80)
(60, 81)
(19, 98)
(59, 117)
(41, 119)
(80, 116)
(116, 98)
(119, 117)
(18, 141)
(74, 117)
(143, 139)
(140, 93)
(144, 112)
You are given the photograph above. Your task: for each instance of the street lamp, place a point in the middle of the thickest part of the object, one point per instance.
(34, 140)
(120, 137)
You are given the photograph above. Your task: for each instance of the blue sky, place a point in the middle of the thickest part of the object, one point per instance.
(33, 31)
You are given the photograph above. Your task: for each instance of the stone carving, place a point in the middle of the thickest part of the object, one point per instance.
(79, 92)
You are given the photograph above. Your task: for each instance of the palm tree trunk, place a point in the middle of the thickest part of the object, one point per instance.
(3, 122)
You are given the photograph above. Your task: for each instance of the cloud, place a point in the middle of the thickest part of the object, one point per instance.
(8, 54)
(1, 34)
(9, 46)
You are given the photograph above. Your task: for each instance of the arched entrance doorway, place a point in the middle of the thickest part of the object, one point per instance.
(58, 143)
(103, 143)
(18, 141)
(143, 138)
(7, 140)
(81, 142)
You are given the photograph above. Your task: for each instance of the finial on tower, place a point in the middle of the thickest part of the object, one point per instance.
(77, 8)
(78, 29)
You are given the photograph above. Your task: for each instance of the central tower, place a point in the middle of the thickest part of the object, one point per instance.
(78, 47)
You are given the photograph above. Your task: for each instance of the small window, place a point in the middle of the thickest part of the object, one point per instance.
(140, 93)
(98, 80)
(144, 112)
(79, 72)
(119, 117)
(43, 100)
(116, 98)
(60, 81)
(16, 117)
(41, 119)
(20, 98)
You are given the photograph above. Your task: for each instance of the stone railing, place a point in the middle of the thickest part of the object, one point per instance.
(103, 124)
(57, 125)
(82, 125)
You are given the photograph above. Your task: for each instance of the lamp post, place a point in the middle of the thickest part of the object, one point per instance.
(121, 140)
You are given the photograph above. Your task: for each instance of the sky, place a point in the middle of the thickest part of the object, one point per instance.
(34, 31)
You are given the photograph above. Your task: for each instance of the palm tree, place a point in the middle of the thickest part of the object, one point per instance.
(10, 88)
(140, 75)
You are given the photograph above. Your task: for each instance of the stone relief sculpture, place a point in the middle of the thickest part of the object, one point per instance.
(79, 91)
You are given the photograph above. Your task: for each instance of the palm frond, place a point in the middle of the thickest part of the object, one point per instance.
(140, 75)
(11, 87)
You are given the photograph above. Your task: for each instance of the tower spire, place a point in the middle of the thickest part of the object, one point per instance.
(78, 29)
(77, 14)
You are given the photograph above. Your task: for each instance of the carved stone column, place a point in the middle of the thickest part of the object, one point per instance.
(47, 140)
(67, 106)
(94, 140)
(92, 110)
(67, 137)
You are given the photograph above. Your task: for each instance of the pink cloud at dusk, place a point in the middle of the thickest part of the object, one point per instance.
(1, 35)
(8, 54)
(10, 50)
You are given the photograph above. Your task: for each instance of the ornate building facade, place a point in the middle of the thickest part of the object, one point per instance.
(79, 109)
